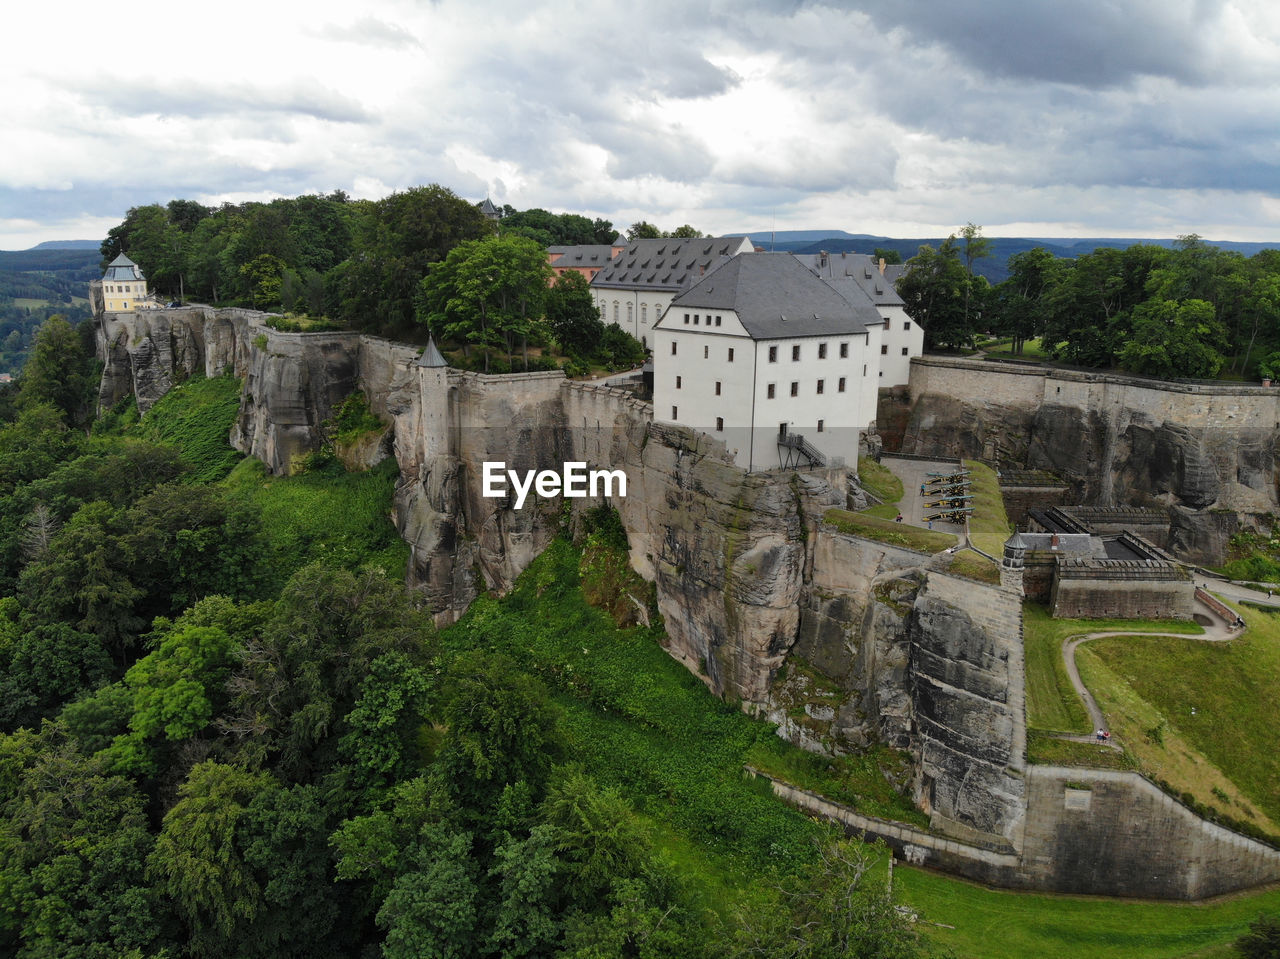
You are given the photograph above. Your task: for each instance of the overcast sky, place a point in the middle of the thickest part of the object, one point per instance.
(904, 118)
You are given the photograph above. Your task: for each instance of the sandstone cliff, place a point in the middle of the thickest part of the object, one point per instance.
(1205, 453)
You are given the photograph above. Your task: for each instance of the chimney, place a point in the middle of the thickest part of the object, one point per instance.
(882, 266)
(1054, 541)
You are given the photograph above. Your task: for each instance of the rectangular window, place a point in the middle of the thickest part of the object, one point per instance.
(731, 354)
(719, 424)
(864, 369)
(717, 387)
(822, 351)
(840, 385)
(686, 319)
(819, 426)
(675, 412)
(717, 321)
(678, 380)
(673, 347)
(795, 353)
(706, 352)
(905, 351)
(906, 324)
(844, 351)
(772, 391)
(795, 389)
(821, 386)
(695, 319)
(773, 354)
(884, 349)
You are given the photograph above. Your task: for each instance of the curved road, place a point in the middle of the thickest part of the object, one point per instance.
(1219, 632)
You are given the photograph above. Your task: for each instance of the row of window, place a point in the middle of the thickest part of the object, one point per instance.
(118, 289)
(644, 312)
(675, 415)
(884, 350)
(771, 389)
(697, 317)
(795, 352)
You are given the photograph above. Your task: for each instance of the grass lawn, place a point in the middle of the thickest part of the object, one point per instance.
(1015, 925)
(879, 481)
(989, 523)
(196, 417)
(888, 531)
(1152, 684)
(1052, 703)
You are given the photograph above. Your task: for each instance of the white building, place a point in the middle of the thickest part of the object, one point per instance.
(771, 359)
(638, 284)
(860, 277)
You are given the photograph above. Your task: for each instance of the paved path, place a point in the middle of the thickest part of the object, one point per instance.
(1219, 631)
(913, 473)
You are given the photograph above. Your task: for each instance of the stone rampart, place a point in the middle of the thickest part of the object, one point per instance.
(1204, 453)
(1090, 831)
(1121, 589)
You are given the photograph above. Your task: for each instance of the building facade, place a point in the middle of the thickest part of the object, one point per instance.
(124, 288)
(765, 356)
(639, 283)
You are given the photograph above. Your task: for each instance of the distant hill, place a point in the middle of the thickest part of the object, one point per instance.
(68, 245)
(994, 269)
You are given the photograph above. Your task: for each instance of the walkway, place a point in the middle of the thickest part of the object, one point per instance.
(913, 473)
(1219, 631)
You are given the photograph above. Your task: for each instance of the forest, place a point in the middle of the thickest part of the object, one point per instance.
(1194, 311)
(228, 729)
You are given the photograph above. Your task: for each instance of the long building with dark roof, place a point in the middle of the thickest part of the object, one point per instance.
(638, 284)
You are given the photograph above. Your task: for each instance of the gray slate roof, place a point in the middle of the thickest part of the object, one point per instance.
(775, 297)
(667, 264)
(859, 269)
(431, 356)
(1069, 544)
(588, 255)
(122, 268)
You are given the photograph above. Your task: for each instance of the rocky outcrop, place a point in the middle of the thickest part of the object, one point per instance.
(1205, 453)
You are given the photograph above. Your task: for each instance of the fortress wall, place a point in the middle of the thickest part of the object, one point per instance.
(1105, 832)
(1121, 589)
(968, 688)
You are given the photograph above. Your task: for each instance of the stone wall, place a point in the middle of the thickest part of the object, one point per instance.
(1204, 454)
(1087, 831)
(1121, 589)
(1151, 524)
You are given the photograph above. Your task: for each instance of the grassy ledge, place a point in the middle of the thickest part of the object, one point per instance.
(888, 531)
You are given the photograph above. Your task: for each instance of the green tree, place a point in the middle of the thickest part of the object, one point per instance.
(686, 232)
(1262, 941)
(501, 731)
(73, 855)
(264, 278)
(889, 256)
(836, 910)
(59, 372)
(572, 314)
(1015, 307)
(488, 293)
(1172, 339)
(935, 291)
(643, 230)
(433, 908)
(197, 862)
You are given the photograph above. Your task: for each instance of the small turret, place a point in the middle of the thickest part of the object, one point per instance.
(1011, 566)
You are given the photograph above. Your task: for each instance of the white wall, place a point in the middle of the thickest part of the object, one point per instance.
(903, 334)
(646, 308)
(684, 389)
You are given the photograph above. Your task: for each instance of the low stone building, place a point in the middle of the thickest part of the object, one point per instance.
(1081, 575)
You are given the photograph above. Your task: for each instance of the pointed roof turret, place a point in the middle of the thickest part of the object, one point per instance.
(431, 357)
(123, 268)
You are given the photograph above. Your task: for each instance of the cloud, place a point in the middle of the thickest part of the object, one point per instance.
(202, 99)
(368, 31)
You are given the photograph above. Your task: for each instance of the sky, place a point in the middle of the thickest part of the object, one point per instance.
(910, 118)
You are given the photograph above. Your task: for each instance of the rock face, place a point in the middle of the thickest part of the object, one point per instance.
(1207, 454)
(840, 640)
